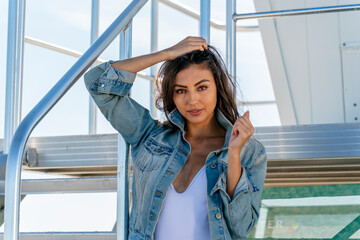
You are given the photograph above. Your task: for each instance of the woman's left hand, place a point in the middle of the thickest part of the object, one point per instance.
(241, 132)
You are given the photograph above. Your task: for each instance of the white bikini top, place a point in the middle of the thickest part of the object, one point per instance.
(185, 215)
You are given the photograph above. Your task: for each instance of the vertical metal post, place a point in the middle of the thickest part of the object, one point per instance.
(205, 19)
(231, 37)
(122, 222)
(15, 50)
(19, 63)
(14, 69)
(125, 42)
(93, 36)
(154, 48)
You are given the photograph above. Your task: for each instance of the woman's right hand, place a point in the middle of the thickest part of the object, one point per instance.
(188, 44)
(139, 63)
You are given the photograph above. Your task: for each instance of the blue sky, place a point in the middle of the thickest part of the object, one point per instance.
(67, 23)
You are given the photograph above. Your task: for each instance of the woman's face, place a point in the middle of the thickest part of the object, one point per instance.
(195, 94)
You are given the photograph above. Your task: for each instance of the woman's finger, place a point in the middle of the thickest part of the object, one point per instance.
(246, 127)
(247, 119)
(243, 124)
(248, 124)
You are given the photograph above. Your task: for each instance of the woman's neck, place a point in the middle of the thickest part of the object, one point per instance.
(205, 130)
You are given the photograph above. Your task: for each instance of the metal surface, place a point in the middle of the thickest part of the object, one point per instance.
(196, 14)
(296, 12)
(58, 48)
(205, 19)
(93, 36)
(31, 157)
(255, 103)
(71, 52)
(297, 155)
(122, 215)
(122, 220)
(231, 37)
(153, 48)
(66, 236)
(19, 64)
(14, 63)
(65, 185)
(311, 141)
(67, 153)
(13, 168)
(316, 154)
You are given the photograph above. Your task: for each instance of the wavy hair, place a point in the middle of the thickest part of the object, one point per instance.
(212, 60)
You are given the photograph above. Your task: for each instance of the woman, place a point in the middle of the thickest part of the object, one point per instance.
(200, 174)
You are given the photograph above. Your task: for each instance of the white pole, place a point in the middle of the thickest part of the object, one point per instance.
(93, 36)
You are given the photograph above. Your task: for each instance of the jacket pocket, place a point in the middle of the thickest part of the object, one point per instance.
(152, 155)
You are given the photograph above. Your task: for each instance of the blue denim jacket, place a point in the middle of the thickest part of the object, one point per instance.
(159, 153)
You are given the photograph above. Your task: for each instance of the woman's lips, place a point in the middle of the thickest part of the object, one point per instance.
(195, 112)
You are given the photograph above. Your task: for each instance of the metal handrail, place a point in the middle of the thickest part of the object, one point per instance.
(57, 48)
(14, 162)
(296, 12)
(74, 53)
(196, 14)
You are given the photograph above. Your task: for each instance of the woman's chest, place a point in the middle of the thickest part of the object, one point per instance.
(196, 160)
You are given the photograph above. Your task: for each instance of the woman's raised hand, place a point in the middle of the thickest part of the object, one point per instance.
(241, 132)
(188, 44)
(139, 63)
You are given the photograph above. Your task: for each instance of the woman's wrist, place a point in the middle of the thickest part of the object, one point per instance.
(139, 63)
(167, 54)
(234, 152)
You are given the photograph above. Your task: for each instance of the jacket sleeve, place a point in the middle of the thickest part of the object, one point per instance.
(242, 211)
(109, 87)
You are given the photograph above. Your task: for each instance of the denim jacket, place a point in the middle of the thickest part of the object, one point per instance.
(158, 154)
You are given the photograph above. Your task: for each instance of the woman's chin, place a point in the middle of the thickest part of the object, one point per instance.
(196, 119)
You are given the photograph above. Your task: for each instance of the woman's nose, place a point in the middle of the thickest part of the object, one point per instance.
(193, 97)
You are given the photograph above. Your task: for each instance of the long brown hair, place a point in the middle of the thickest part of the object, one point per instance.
(211, 58)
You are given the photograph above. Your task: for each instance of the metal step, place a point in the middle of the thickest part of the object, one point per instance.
(66, 185)
(66, 236)
(324, 153)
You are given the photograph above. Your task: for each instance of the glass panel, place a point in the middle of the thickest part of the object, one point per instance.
(327, 212)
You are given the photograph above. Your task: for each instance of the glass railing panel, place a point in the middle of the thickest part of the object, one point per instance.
(313, 212)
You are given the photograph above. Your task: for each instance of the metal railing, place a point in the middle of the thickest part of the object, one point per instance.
(16, 151)
(14, 162)
(154, 15)
(297, 12)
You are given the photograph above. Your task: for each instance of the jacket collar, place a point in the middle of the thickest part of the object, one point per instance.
(177, 119)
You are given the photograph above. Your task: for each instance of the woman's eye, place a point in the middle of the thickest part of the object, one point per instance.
(179, 91)
(202, 88)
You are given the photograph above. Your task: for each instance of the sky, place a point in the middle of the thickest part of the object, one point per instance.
(67, 23)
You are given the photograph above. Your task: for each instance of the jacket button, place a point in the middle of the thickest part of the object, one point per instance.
(218, 215)
(213, 165)
(159, 149)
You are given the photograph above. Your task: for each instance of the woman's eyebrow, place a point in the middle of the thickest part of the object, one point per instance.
(204, 80)
(177, 85)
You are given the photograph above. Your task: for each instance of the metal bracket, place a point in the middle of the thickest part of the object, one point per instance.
(31, 157)
(350, 45)
(127, 26)
(3, 158)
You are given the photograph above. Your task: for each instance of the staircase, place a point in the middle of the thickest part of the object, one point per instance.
(303, 155)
